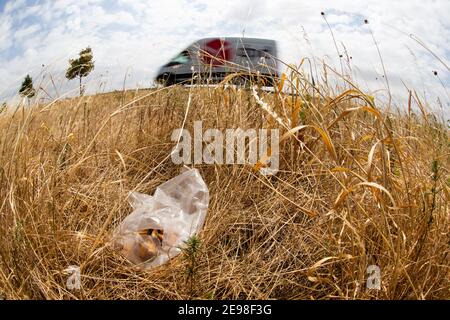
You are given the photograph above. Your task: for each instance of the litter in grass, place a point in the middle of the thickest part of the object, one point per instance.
(160, 224)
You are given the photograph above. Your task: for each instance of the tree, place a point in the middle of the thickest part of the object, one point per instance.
(81, 67)
(26, 90)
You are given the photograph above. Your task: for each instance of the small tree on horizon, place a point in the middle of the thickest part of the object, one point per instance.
(26, 89)
(81, 67)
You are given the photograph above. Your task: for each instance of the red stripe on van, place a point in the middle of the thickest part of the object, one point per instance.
(217, 52)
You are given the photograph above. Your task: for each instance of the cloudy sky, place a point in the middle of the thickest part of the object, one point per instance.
(132, 38)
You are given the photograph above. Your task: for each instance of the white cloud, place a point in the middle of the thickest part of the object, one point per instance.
(5, 32)
(28, 12)
(26, 32)
(143, 34)
(13, 5)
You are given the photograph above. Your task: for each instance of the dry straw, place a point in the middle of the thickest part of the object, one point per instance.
(356, 187)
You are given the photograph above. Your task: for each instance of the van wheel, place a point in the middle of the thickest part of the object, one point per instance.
(270, 81)
(243, 80)
(166, 79)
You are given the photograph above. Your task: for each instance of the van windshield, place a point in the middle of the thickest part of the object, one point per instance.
(181, 58)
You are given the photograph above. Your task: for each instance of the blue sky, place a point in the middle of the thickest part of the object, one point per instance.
(133, 38)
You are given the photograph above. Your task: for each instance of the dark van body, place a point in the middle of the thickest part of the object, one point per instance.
(212, 59)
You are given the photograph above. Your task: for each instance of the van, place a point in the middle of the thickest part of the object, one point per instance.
(210, 60)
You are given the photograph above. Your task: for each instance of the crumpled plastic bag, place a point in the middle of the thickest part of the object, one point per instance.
(160, 224)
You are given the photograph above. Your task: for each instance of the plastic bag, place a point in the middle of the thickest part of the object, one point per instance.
(160, 224)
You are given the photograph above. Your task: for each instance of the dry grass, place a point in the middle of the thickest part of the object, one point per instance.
(357, 187)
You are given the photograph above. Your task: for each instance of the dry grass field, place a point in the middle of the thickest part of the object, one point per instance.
(358, 185)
